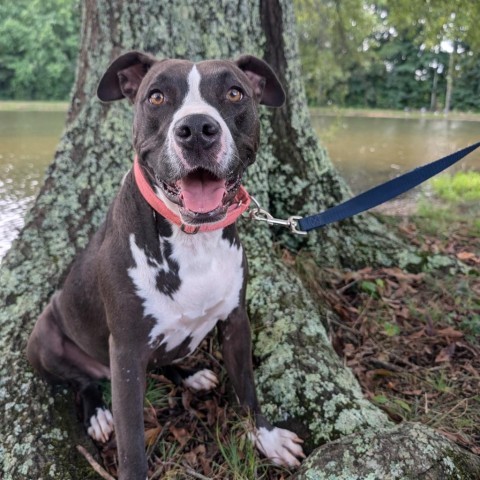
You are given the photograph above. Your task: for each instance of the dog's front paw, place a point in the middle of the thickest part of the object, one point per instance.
(101, 425)
(202, 380)
(281, 446)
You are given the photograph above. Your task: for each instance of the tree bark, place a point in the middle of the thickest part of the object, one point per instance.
(407, 451)
(450, 74)
(300, 379)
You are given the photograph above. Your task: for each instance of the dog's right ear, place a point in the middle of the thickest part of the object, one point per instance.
(124, 76)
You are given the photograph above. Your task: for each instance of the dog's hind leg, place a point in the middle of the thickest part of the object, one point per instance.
(59, 360)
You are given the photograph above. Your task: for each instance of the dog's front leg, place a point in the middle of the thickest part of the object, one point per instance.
(128, 371)
(279, 445)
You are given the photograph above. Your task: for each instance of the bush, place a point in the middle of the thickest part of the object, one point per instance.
(461, 187)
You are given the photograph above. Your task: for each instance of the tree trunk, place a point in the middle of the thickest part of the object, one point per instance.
(450, 73)
(300, 379)
(407, 451)
(433, 94)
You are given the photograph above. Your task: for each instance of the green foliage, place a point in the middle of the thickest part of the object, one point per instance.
(381, 54)
(240, 455)
(38, 48)
(471, 326)
(331, 34)
(461, 187)
(391, 329)
(372, 288)
(399, 54)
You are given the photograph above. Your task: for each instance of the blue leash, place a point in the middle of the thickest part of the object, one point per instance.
(366, 200)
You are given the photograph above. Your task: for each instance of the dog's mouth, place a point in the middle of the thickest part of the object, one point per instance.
(202, 196)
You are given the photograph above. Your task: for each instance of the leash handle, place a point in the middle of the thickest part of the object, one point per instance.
(383, 192)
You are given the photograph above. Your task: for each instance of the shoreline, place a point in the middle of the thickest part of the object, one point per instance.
(62, 106)
(396, 114)
(32, 106)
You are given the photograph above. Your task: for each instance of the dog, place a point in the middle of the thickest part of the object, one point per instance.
(166, 266)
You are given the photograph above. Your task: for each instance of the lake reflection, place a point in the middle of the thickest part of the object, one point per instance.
(367, 151)
(27, 144)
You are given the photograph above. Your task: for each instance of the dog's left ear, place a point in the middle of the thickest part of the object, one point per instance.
(124, 76)
(265, 83)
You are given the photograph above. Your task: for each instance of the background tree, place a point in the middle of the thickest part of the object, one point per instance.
(38, 48)
(301, 381)
(349, 52)
(445, 26)
(332, 36)
(389, 53)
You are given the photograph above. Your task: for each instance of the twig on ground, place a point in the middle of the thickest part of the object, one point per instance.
(94, 464)
(196, 475)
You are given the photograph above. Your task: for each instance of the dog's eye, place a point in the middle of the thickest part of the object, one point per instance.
(234, 95)
(156, 98)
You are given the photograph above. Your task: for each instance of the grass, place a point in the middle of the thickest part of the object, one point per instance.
(33, 106)
(461, 187)
(384, 113)
(452, 205)
(195, 435)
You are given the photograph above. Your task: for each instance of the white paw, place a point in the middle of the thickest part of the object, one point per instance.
(202, 380)
(281, 446)
(101, 425)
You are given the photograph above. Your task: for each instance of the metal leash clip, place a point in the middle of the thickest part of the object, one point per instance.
(262, 215)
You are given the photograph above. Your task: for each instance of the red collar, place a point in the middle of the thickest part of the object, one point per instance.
(241, 203)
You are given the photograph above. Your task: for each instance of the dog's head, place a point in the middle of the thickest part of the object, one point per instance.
(196, 126)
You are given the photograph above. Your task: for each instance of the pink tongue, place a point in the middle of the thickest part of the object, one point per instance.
(202, 193)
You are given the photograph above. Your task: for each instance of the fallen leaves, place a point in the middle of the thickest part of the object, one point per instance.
(404, 336)
(187, 434)
(468, 257)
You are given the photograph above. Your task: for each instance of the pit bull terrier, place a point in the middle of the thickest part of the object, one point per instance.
(166, 266)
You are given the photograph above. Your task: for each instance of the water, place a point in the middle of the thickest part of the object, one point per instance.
(27, 144)
(367, 151)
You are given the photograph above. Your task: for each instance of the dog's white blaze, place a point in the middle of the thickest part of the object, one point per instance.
(194, 103)
(211, 276)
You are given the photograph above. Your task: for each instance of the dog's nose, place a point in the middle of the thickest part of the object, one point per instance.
(197, 131)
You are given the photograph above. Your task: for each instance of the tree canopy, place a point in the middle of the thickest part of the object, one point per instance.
(390, 53)
(39, 42)
(399, 54)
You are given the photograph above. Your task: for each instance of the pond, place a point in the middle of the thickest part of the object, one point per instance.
(365, 150)
(368, 150)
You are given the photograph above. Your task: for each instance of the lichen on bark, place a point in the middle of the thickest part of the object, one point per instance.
(300, 379)
(406, 452)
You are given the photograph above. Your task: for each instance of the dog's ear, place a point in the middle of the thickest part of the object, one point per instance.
(123, 76)
(265, 83)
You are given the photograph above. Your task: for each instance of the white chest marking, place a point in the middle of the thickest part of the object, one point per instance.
(211, 277)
